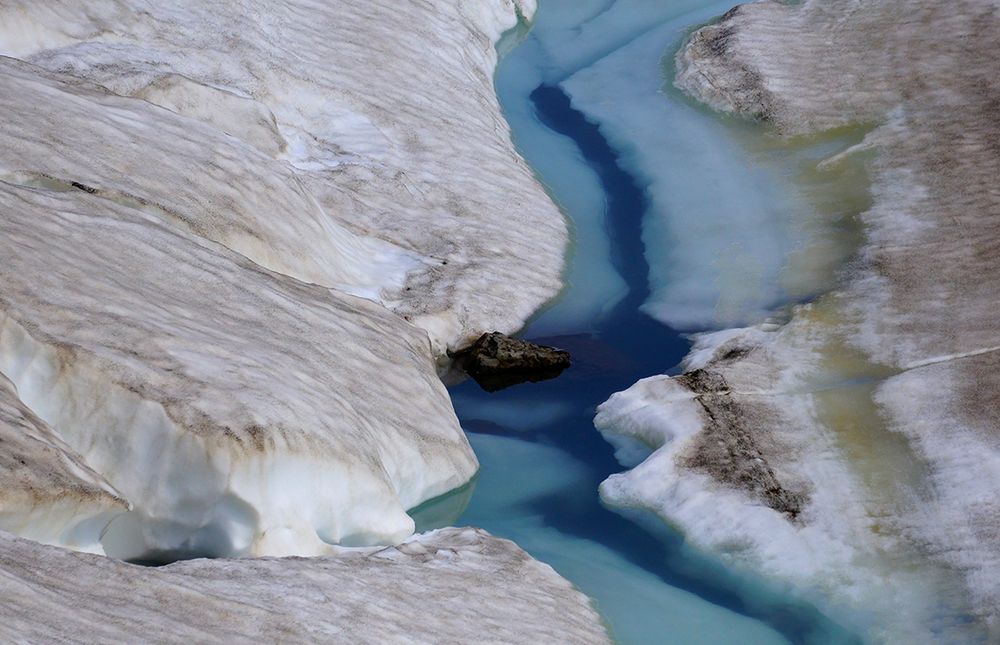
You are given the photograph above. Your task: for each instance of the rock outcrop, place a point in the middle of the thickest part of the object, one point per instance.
(497, 361)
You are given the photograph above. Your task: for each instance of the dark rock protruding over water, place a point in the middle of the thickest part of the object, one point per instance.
(497, 361)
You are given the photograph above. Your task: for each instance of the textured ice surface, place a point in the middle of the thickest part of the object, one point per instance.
(189, 173)
(189, 194)
(378, 118)
(752, 471)
(229, 404)
(47, 492)
(878, 404)
(450, 586)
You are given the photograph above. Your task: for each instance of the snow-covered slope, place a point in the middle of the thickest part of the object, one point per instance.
(189, 192)
(875, 407)
(189, 173)
(240, 411)
(450, 586)
(47, 492)
(375, 117)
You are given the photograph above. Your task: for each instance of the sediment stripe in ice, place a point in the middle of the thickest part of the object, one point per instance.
(452, 585)
(48, 493)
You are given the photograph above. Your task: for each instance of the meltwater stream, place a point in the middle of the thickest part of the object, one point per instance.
(542, 460)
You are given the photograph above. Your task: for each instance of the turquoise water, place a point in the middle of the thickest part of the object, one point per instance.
(584, 93)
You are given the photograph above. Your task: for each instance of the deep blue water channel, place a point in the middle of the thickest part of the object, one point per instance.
(542, 460)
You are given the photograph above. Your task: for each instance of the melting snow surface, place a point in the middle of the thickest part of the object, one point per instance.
(193, 197)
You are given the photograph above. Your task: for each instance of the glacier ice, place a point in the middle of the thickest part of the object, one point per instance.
(356, 158)
(187, 172)
(745, 462)
(452, 585)
(237, 242)
(48, 493)
(227, 403)
(232, 261)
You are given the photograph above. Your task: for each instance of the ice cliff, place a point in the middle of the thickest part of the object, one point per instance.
(450, 586)
(48, 494)
(236, 242)
(853, 450)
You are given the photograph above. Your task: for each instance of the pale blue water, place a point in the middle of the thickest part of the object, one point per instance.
(542, 460)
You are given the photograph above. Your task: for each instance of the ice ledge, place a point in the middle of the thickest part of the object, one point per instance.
(360, 147)
(184, 219)
(240, 411)
(47, 492)
(449, 586)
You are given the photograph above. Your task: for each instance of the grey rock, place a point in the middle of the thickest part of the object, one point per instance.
(497, 361)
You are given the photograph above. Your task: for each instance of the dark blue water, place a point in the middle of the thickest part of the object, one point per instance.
(544, 432)
(650, 347)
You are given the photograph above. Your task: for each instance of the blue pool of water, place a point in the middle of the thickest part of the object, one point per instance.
(541, 458)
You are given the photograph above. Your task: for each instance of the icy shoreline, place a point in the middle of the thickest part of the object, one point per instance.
(194, 199)
(237, 242)
(817, 410)
(447, 586)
